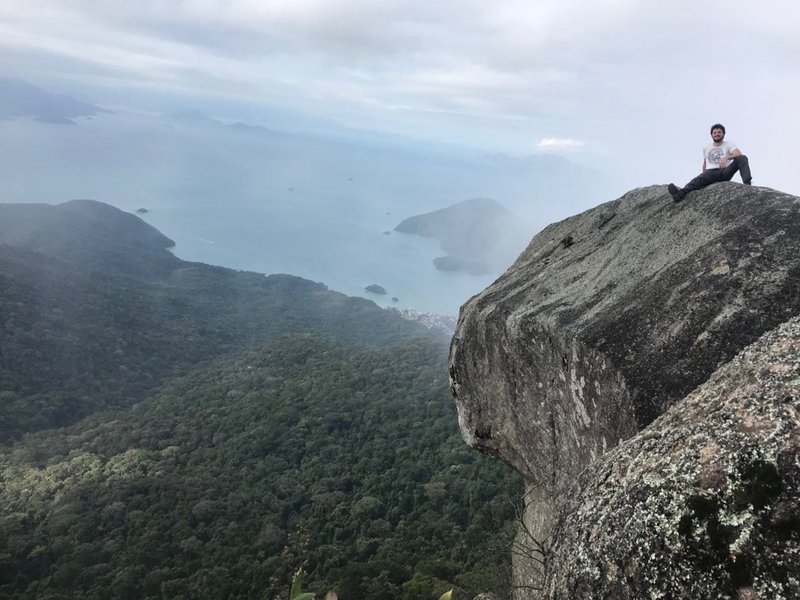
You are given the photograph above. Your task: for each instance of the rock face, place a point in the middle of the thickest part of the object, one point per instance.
(605, 321)
(712, 487)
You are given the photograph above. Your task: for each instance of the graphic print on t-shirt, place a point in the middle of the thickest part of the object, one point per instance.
(714, 154)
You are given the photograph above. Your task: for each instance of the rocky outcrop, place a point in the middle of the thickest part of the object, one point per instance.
(705, 502)
(607, 320)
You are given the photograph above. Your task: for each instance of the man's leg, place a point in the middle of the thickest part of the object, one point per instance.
(741, 164)
(676, 192)
(705, 179)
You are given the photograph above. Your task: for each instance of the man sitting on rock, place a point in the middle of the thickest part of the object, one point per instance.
(721, 160)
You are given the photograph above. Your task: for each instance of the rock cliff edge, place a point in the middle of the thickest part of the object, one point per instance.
(606, 321)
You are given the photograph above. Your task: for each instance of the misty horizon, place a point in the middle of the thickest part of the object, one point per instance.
(322, 207)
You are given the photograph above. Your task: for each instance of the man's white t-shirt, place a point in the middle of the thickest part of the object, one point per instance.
(712, 154)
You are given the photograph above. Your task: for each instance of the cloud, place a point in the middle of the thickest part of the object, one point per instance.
(560, 144)
(513, 70)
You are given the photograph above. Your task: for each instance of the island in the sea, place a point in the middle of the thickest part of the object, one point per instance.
(479, 235)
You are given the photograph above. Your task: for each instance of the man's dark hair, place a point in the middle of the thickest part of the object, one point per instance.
(718, 126)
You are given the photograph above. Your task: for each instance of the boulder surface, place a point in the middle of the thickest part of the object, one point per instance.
(705, 502)
(608, 319)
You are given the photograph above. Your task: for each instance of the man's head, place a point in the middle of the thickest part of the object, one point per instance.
(717, 132)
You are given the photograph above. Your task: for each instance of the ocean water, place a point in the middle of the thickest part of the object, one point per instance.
(320, 208)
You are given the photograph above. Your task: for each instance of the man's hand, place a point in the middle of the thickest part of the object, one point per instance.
(724, 160)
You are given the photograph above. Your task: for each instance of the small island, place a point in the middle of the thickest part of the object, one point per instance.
(376, 289)
(142, 211)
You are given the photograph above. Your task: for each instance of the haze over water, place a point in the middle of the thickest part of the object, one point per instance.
(315, 207)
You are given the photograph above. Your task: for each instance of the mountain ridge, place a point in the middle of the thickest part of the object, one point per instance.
(21, 99)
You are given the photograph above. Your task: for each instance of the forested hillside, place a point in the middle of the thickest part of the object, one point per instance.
(95, 312)
(221, 430)
(301, 453)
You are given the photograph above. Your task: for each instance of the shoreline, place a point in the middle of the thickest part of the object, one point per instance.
(444, 323)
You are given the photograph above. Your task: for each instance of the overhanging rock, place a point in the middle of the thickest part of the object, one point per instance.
(610, 317)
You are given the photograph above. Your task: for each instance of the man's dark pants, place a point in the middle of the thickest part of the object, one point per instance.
(709, 176)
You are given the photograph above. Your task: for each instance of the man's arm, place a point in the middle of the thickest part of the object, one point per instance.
(704, 165)
(724, 160)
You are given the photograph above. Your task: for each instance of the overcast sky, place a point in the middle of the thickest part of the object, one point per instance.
(635, 84)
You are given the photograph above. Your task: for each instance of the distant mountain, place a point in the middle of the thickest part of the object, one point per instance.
(197, 117)
(244, 127)
(478, 234)
(191, 115)
(21, 99)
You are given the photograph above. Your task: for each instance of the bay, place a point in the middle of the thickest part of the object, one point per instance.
(322, 208)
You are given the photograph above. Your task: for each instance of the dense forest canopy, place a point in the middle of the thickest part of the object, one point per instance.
(219, 430)
(95, 312)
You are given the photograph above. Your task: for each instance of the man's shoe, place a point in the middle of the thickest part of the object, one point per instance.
(676, 193)
(748, 182)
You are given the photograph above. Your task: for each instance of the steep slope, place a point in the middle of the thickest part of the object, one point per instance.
(219, 429)
(94, 312)
(609, 318)
(304, 452)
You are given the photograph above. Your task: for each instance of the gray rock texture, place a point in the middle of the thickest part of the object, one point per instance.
(705, 502)
(606, 320)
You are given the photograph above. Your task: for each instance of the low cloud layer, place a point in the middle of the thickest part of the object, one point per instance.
(552, 74)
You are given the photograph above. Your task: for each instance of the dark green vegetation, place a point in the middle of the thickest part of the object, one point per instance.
(95, 312)
(233, 429)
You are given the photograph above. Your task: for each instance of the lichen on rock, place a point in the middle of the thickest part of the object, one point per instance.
(705, 502)
(607, 320)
